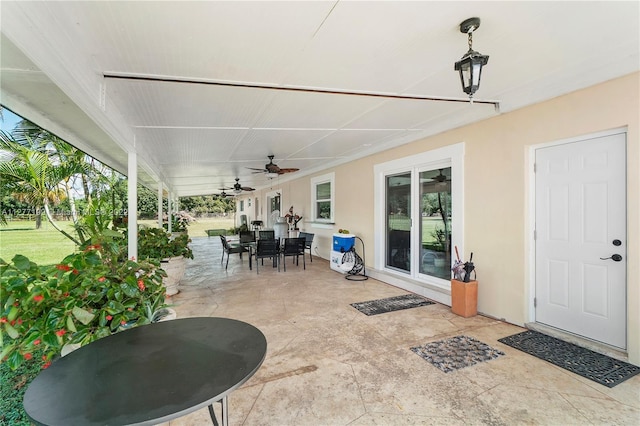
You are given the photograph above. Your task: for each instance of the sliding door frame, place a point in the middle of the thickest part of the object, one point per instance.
(451, 156)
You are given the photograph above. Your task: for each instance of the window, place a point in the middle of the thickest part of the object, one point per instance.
(241, 205)
(322, 193)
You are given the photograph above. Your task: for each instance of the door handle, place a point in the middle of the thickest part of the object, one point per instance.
(614, 257)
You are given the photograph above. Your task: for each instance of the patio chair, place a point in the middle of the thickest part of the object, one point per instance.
(294, 247)
(268, 248)
(267, 234)
(247, 236)
(308, 242)
(230, 249)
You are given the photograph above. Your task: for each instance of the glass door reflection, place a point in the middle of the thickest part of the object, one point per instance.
(398, 201)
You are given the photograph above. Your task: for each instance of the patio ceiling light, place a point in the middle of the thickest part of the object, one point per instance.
(470, 65)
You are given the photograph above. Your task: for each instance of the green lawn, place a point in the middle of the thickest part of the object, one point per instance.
(44, 246)
(47, 246)
(197, 228)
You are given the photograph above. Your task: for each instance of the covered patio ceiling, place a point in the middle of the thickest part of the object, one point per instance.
(63, 63)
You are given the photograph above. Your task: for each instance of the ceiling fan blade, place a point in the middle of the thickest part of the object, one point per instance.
(246, 188)
(291, 170)
(260, 170)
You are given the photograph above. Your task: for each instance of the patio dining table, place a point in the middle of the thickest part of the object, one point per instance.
(250, 246)
(148, 374)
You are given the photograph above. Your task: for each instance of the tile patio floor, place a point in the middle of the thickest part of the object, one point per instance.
(328, 364)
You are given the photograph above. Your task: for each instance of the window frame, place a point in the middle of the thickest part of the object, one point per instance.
(319, 180)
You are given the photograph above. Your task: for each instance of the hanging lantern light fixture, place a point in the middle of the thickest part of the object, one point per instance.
(470, 65)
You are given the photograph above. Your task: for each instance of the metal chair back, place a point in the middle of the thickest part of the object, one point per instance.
(268, 248)
(294, 247)
(267, 234)
(308, 242)
(247, 236)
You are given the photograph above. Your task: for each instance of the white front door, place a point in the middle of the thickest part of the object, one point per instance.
(580, 238)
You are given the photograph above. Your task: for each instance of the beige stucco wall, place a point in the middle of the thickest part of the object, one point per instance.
(496, 192)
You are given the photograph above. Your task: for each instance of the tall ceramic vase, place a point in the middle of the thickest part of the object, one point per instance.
(175, 268)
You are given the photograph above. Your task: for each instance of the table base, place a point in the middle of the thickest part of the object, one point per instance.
(225, 413)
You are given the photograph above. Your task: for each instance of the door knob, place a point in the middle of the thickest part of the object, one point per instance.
(614, 257)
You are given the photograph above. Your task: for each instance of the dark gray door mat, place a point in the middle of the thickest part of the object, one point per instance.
(594, 366)
(456, 352)
(390, 304)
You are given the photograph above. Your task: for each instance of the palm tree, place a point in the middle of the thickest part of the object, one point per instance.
(31, 176)
(64, 153)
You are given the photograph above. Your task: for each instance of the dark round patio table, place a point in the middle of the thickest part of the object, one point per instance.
(148, 374)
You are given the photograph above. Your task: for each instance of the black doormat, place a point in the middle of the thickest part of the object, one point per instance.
(594, 366)
(456, 353)
(390, 304)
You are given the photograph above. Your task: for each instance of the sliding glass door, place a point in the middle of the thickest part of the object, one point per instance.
(418, 215)
(430, 191)
(435, 222)
(398, 222)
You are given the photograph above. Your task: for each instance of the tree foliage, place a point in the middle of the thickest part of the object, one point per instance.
(40, 171)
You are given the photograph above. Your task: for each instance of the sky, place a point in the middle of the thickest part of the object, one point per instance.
(9, 120)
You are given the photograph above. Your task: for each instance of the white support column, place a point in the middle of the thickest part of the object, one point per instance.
(132, 205)
(160, 205)
(169, 210)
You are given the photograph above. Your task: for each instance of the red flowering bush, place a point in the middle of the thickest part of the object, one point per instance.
(89, 295)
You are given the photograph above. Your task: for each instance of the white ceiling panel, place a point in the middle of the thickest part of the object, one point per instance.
(403, 32)
(314, 110)
(262, 142)
(148, 103)
(194, 146)
(341, 143)
(199, 134)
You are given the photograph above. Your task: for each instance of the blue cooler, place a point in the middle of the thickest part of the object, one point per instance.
(343, 242)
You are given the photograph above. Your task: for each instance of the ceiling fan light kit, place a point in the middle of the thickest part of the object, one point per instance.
(470, 65)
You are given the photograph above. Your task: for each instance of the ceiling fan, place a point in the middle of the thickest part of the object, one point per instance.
(222, 194)
(237, 188)
(272, 170)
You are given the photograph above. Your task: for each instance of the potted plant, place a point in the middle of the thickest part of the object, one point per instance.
(293, 219)
(155, 243)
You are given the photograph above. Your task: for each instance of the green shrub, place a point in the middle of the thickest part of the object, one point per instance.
(89, 295)
(13, 384)
(156, 243)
